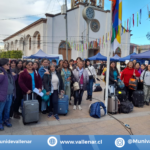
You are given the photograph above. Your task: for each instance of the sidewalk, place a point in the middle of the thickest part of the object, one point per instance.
(78, 122)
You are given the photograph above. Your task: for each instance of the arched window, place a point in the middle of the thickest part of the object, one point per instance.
(38, 41)
(30, 43)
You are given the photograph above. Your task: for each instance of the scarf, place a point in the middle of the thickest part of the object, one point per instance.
(67, 74)
(80, 71)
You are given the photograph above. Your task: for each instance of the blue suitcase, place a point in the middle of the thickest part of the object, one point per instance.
(63, 105)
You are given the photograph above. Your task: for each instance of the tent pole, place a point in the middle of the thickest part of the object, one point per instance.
(108, 63)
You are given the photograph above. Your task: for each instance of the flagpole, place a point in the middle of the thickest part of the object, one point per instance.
(108, 63)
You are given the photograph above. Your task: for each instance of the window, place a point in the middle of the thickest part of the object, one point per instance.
(30, 43)
(38, 41)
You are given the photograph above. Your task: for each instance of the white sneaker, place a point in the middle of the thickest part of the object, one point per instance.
(74, 107)
(80, 108)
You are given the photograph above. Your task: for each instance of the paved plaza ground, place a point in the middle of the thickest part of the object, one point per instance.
(80, 123)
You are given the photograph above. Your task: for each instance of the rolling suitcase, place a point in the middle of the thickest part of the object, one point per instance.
(121, 94)
(138, 98)
(63, 105)
(112, 104)
(30, 111)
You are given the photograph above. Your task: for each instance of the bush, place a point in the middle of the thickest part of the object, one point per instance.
(11, 54)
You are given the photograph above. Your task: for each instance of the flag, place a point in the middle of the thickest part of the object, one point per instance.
(140, 16)
(127, 25)
(117, 21)
(137, 19)
(124, 26)
(133, 20)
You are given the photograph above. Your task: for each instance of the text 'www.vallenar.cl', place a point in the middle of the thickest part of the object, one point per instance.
(81, 142)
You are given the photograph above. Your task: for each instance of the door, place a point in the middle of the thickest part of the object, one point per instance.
(62, 51)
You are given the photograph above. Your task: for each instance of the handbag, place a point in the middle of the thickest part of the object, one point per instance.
(91, 76)
(120, 84)
(133, 83)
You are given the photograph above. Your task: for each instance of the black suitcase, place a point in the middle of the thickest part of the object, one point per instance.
(121, 94)
(138, 98)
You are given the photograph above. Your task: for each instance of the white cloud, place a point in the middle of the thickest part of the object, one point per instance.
(24, 8)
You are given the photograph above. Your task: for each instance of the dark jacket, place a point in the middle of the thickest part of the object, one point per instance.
(47, 82)
(111, 76)
(4, 84)
(25, 81)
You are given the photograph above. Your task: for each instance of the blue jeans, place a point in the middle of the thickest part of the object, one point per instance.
(78, 97)
(5, 106)
(90, 87)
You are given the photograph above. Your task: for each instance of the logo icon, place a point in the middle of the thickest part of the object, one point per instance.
(52, 141)
(119, 142)
(130, 141)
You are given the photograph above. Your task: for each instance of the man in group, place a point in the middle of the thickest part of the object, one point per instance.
(101, 67)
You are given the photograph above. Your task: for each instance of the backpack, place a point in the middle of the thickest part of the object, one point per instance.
(97, 110)
(126, 107)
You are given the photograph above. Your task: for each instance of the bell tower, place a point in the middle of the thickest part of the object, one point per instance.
(95, 3)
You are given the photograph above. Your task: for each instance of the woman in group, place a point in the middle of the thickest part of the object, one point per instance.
(24, 64)
(145, 78)
(60, 64)
(126, 74)
(29, 79)
(13, 64)
(81, 76)
(36, 66)
(92, 75)
(71, 64)
(66, 75)
(143, 67)
(19, 96)
(113, 77)
(53, 84)
(7, 90)
(137, 67)
(43, 68)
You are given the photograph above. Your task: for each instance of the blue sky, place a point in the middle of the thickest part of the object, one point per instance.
(132, 7)
(24, 8)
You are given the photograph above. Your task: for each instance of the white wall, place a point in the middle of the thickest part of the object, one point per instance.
(40, 28)
(76, 25)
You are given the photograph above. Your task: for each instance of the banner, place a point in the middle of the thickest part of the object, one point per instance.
(74, 142)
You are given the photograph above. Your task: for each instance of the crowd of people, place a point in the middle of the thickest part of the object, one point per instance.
(19, 78)
(133, 69)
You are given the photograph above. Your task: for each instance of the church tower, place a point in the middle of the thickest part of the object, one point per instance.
(96, 3)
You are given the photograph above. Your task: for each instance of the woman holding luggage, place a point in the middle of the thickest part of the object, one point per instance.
(7, 90)
(80, 76)
(53, 84)
(113, 77)
(137, 67)
(92, 75)
(29, 79)
(126, 75)
(19, 96)
(145, 78)
(66, 75)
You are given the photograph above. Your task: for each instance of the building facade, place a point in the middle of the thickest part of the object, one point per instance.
(49, 34)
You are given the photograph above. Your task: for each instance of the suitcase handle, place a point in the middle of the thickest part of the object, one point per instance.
(27, 96)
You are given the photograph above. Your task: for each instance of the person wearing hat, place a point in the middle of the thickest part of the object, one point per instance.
(7, 91)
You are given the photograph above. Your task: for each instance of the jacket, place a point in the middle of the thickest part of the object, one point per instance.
(47, 82)
(25, 81)
(85, 77)
(127, 74)
(4, 84)
(145, 76)
(111, 77)
(91, 71)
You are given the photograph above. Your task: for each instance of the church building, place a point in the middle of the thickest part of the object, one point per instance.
(49, 33)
